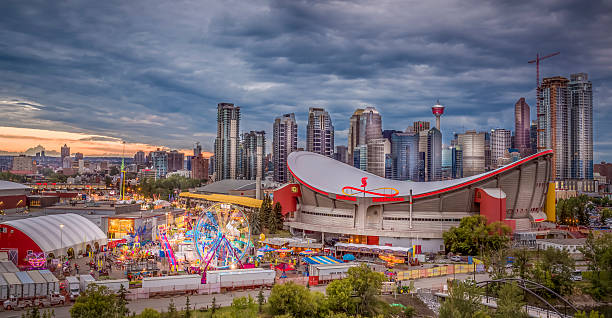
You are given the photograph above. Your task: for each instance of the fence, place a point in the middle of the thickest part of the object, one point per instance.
(439, 271)
(148, 292)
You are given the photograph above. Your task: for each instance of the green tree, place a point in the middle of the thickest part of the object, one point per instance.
(172, 312)
(496, 261)
(149, 313)
(277, 217)
(243, 307)
(114, 171)
(463, 301)
(521, 263)
(474, 234)
(605, 215)
(339, 296)
(187, 311)
(122, 309)
(597, 252)
(592, 314)
(97, 301)
(291, 299)
(260, 301)
(554, 270)
(510, 302)
(366, 286)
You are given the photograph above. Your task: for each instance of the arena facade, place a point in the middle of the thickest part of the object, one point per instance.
(334, 199)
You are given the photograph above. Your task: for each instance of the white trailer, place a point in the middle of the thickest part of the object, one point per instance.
(40, 283)
(165, 281)
(84, 281)
(241, 277)
(52, 281)
(74, 290)
(4, 289)
(113, 284)
(330, 271)
(172, 284)
(15, 288)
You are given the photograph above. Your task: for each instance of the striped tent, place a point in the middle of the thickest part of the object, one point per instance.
(322, 260)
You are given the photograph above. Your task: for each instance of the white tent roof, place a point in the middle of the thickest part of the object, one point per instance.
(47, 233)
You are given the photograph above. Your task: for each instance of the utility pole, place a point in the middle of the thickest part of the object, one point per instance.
(539, 112)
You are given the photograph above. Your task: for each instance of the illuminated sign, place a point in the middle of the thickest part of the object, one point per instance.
(387, 199)
(352, 191)
(345, 197)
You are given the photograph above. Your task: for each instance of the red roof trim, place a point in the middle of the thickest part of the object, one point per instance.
(485, 176)
(306, 184)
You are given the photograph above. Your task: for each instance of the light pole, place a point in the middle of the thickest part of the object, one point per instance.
(61, 237)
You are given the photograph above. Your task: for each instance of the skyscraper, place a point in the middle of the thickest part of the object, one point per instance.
(419, 126)
(139, 158)
(405, 156)
(197, 149)
(533, 136)
(473, 152)
(554, 125)
(284, 142)
(373, 123)
(434, 155)
(581, 105)
(159, 158)
(500, 143)
(356, 134)
(227, 143)
(522, 140)
(340, 154)
(320, 132)
(176, 160)
(199, 167)
(254, 151)
(376, 156)
(65, 152)
(457, 158)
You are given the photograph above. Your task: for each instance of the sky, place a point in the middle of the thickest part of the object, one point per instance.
(152, 72)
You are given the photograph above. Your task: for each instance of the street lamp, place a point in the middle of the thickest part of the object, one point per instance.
(61, 237)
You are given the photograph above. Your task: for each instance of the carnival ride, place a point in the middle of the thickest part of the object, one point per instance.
(169, 252)
(221, 236)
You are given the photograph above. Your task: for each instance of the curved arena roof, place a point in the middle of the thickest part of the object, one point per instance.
(328, 176)
(46, 232)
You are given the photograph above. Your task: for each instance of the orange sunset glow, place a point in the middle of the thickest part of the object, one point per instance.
(20, 139)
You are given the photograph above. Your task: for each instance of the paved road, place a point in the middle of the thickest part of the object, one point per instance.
(203, 301)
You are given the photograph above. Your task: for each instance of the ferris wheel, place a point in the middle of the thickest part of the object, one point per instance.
(221, 236)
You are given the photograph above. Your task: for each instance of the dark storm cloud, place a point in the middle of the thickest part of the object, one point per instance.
(153, 72)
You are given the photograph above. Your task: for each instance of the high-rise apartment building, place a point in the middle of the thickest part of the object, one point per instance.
(227, 143)
(500, 143)
(175, 160)
(533, 136)
(419, 126)
(434, 155)
(139, 158)
(254, 151)
(65, 152)
(522, 139)
(360, 157)
(197, 149)
(581, 107)
(199, 167)
(159, 159)
(405, 156)
(554, 125)
(22, 164)
(283, 143)
(473, 152)
(320, 132)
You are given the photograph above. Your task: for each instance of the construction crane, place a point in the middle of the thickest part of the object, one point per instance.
(538, 97)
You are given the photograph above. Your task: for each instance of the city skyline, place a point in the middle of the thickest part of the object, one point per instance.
(57, 81)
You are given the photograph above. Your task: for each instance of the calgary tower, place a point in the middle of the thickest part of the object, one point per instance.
(437, 110)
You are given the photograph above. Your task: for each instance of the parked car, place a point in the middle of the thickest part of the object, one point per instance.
(14, 303)
(51, 300)
(455, 258)
(576, 276)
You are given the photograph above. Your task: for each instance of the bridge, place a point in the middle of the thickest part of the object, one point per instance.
(550, 310)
